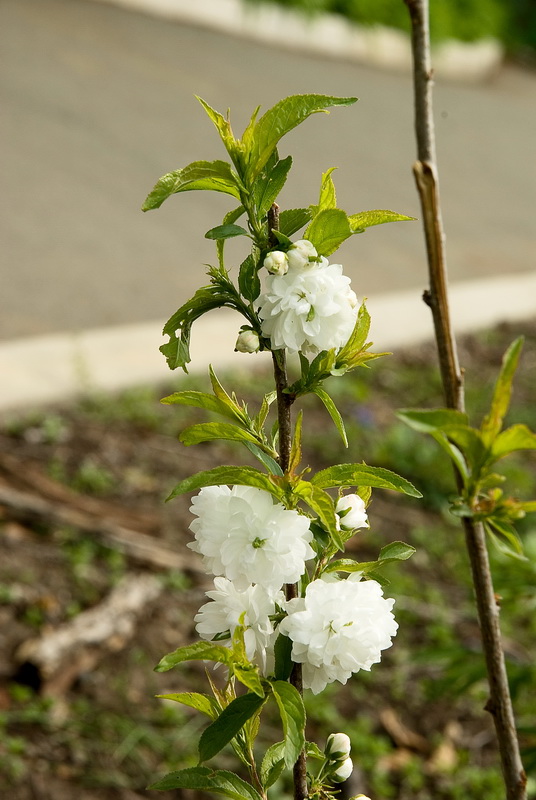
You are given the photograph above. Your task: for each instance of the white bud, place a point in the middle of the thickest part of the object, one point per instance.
(343, 771)
(247, 342)
(355, 514)
(360, 797)
(300, 253)
(276, 262)
(337, 747)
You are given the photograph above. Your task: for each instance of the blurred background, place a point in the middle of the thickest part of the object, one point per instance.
(98, 102)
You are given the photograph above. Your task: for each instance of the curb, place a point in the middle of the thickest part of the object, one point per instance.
(58, 368)
(328, 35)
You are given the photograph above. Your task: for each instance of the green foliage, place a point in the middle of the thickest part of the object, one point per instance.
(204, 779)
(475, 451)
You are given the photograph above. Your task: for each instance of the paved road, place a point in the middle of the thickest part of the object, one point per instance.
(98, 102)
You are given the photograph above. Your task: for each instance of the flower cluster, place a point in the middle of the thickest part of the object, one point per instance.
(308, 304)
(254, 545)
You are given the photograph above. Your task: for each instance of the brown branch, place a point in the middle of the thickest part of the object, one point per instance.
(284, 403)
(499, 704)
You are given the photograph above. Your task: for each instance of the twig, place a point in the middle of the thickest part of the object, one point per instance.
(499, 704)
(284, 403)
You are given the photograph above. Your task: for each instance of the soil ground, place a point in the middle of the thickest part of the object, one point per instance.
(416, 721)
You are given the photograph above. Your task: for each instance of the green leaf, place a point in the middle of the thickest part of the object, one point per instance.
(223, 127)
(328, 196)
(204, 779)
(295, 448)
(249, 676)
(224, 398)
(517, 437)
(292, 219)
(269, 184)
(226, 232)
(282, 118)
(366, 219)
(292, 712)
(358, 339)
(215, 175)
(201, 702)
(283, 658)
(363, 475)
(492, 423)
(232, 476)
(271, 465)
(177, 351)
(209, 431)
(201, 400)
(228, 219)
(200, 651)
(333, 411)
(396, 551)
(272, 764)
(505, 538)
(429, 420)
(328, 231)
(322, 505)
(248, 279)
(227, 725)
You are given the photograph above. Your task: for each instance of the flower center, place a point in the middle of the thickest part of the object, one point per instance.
(257, 542)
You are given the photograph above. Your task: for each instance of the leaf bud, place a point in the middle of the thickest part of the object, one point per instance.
(248, 342)
(276, 262)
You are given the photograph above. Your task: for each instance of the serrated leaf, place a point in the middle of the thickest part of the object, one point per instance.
(213, 175)
(328, 230)
(517, 437)
(232, 476)
(328, 196)
(428, 420)
(177, 350)
(223, 127)
(201, 702)
(227, 725)
(210, 431)
(358, 339)
(269, 184)
(333, 411)
(248, 279)
(272, 764)
(199, 651)
(204, 779)
(249, 677)
(366, 219)
(226, 232)
(500, 402)
(322, 505)
(201, 400)
(292, 219)
(282, 118)
(292, 712)
(363, 475)
(395, 551)
(224, 398)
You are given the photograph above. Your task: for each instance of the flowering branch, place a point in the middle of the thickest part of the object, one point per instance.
(425, 170)
(285, 614)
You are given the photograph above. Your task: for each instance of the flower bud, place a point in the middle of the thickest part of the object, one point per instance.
(300, 253)
(337, 747)
(343, 771)
(247, 342)
(360, 797)
(276, 262)
(352, 512)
